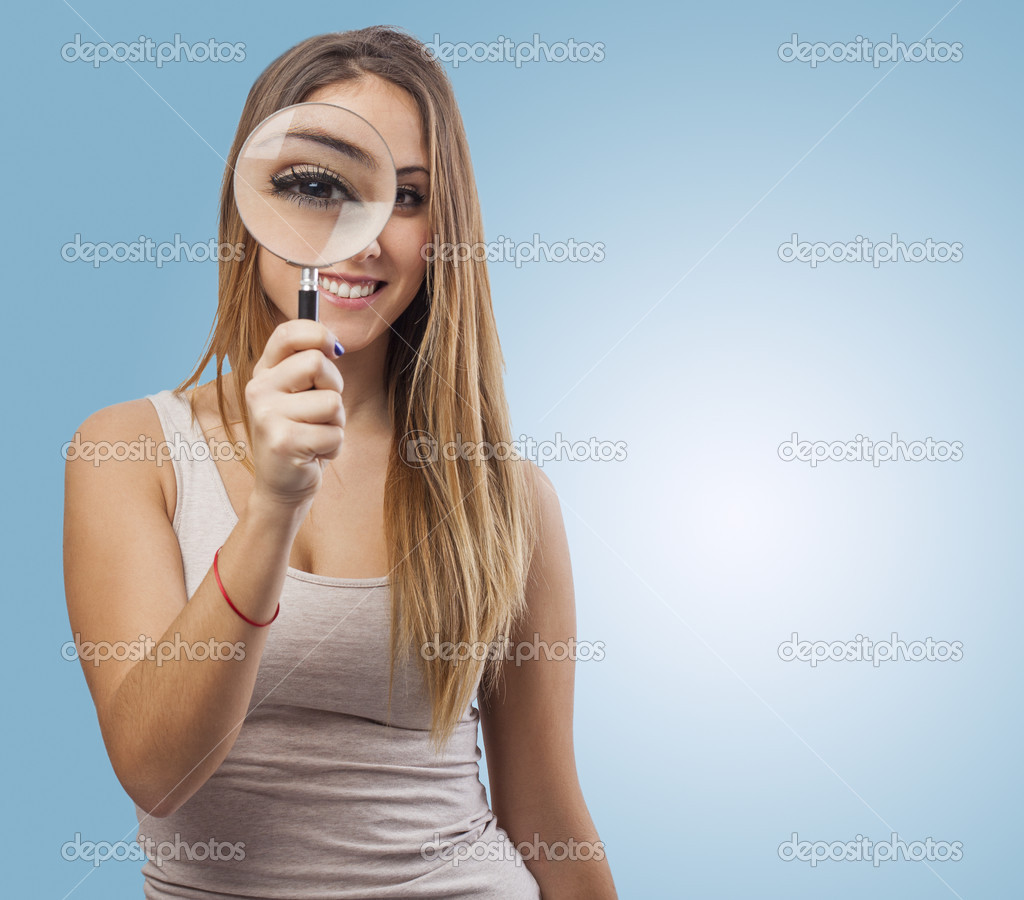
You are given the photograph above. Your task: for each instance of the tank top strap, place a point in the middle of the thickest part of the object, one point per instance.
(201, 497)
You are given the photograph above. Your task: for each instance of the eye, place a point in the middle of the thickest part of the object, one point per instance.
(313, 186)
(408, 197)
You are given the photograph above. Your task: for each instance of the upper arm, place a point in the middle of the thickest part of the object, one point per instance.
(527, 721)
(123, 577)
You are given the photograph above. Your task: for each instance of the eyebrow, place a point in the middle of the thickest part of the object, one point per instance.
(408, 170)
(315, 135)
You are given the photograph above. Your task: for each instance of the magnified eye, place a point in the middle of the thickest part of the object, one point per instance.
(314, 187)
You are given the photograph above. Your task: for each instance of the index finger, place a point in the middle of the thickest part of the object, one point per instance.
(295, 335)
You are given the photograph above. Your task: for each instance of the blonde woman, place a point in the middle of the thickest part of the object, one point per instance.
(293, 728)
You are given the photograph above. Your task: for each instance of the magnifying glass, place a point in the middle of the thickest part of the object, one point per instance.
(314, 184)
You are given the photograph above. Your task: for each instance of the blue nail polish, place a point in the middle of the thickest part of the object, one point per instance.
(338, 349)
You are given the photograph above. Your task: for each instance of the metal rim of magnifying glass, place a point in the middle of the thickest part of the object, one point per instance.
(241, 155)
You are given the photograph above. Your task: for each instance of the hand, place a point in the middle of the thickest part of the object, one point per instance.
(297, 418)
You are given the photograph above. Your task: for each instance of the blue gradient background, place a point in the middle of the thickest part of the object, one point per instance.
(686, 153)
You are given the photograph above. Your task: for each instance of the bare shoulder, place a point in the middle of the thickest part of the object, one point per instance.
(115, 448)
(548, 508)
(550, 577)
(115, 419)
(123, 572)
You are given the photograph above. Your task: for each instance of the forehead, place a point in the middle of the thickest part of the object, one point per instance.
(388, 108)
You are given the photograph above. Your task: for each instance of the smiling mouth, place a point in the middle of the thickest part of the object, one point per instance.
(347, 290)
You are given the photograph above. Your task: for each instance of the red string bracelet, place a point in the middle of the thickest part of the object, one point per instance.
(242, 615)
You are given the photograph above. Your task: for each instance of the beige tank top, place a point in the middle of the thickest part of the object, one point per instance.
(320, 797)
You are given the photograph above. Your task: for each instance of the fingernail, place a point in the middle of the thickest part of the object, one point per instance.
(338, 349)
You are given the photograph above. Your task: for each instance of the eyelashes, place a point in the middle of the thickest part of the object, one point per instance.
(317, 187)
(408, 190)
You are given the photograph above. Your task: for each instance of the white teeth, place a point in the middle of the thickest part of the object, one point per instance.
(341, 289)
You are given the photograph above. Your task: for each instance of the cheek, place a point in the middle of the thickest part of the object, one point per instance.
(279, 280)
(273, 272)
(406, 240)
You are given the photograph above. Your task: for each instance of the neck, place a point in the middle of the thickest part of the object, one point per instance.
(364, 394)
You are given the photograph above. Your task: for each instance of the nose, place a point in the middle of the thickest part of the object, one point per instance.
(371, 251)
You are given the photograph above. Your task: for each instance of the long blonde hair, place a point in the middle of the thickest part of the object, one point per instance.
(460, 532)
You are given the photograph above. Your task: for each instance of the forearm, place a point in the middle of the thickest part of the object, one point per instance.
(562, 850)
(176, 719)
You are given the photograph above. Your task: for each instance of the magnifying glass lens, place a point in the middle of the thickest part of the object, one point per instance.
(315, 184)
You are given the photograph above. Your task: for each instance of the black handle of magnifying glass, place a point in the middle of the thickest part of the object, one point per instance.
(308, 304)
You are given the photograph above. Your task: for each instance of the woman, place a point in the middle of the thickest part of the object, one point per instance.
(299, 724)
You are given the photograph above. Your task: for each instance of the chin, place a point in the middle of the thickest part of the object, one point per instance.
(355, 339)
